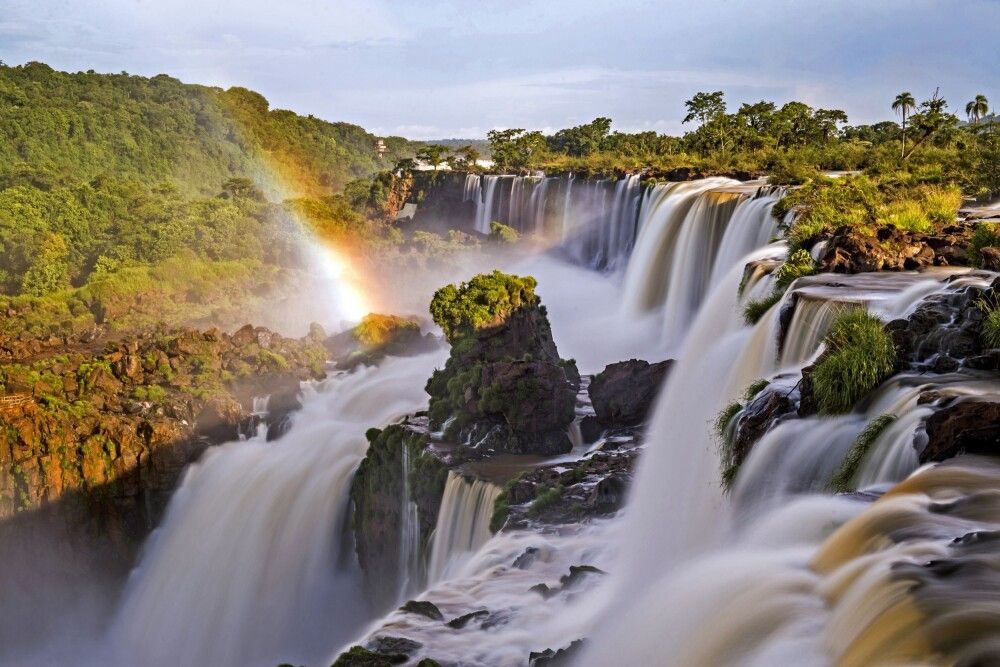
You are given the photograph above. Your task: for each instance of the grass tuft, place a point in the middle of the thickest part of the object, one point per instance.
(842, 481)
(859, 356)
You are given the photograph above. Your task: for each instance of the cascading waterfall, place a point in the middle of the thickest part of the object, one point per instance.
(251, 565)
(463, 524)
(796, 456)
(409, 538)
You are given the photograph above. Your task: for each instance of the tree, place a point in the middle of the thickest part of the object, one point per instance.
(827, 121)
(433, 154)
(705, 107)
(904, 104)
(933, 120)
(582, 140)
(515, 148)
(467, 156)
(977, 108)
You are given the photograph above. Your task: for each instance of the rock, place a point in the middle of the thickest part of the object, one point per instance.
(758, 417)
(462, 621)
(526, 559)
(991, 258)
(577, 574)
(376, 337)
(359, 656)
(590, 429)
(393, 645)
(423, 608)
(504, 387)
(891, 249)
(543, 590)
(966, 426)
(375, 492)
(623, 392)
(549, 658)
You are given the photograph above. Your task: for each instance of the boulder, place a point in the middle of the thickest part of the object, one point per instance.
(964, 427)
(623, 392)
(892, 249)
(991, 258)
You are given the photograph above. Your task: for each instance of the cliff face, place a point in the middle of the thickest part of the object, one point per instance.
(397, 470)
(106, 431)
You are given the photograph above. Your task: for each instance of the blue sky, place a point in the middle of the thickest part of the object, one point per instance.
(432, 69)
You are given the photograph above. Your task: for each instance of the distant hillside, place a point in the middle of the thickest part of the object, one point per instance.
(76, 127)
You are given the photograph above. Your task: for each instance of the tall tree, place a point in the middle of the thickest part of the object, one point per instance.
(977, 108)
(433, 154)
(904, 104)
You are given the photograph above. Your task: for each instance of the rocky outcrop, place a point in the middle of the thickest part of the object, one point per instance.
(397, 460)
(504, 387)
(623, 392)
(964, 427)
(376, 337)
(113, 428)
(891, 249)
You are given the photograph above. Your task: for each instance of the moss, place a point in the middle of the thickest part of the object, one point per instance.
(799, 264)
(273, 360)
(483, 301)
(377, 330)
(859, 356)
(545, 498)
(501, 233)
(842, 481)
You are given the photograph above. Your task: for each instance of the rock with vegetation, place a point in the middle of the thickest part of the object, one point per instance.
(398, 458)
(504, 387)
(859, 355)
(376, 337)
(623, 392)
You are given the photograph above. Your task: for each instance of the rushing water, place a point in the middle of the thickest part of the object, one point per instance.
(463, 524)
(249, 567)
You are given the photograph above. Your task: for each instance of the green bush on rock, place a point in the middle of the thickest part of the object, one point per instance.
(486, 300)
(503, 234)
(859, 356)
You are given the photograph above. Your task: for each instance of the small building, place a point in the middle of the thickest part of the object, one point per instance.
(380, 148)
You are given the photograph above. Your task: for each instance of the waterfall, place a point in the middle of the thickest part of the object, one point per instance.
(485, 203)
(463, 524)
(252, 564)
(409, 537)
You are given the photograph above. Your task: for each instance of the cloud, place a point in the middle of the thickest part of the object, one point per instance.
(440, 68)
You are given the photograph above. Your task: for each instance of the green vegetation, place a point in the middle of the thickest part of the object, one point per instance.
(485, 300)
(547, 497)
(990, 331)
(986, 235)
(502, 234)
(866, 203)
(376, 330)
(754, 389)
(799, 263)
(842, 481)
(859, 356)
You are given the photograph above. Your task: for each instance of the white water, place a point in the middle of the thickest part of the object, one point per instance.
(249, 567)
(463, 524)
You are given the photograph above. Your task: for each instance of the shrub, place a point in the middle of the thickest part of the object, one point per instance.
(799, 263)
(482, 301)
(841, 482)
(755, 308)
(990, 331)
(501, 233)
(859, 356)
(985, 235)
(375, 330)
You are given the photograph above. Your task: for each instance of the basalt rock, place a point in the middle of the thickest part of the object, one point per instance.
(892, 249)
(377, 498)
(504, 387)
(623, 392)
(376, 337)
(965, 427)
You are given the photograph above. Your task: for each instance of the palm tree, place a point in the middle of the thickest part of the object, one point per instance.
(904, 104)
(977, 108)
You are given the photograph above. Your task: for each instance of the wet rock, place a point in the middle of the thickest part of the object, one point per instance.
(758, 417)
(991, 258)
(623, 392)
(590, 429)
(526, 559)
(543, 590)
(359, 656)
(563, 657)
(462, 621)
(577, 573)
(963, 427)
(423, 608)
(393, 645)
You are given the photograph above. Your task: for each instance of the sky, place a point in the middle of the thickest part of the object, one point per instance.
(429, 69)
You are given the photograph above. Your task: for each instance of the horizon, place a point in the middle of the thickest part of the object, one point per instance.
(418, 72)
